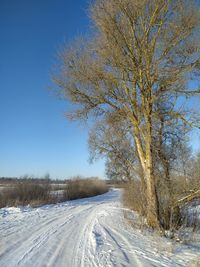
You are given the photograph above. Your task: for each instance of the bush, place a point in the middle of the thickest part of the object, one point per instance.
(80, 188)
(134, 197)
(35, 193)
(24, 193)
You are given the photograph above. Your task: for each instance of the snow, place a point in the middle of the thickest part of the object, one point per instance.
(90, 232)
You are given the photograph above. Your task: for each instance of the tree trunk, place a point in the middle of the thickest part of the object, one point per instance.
(164, 207)
(151, 196)
(152, 201)
(167, 208)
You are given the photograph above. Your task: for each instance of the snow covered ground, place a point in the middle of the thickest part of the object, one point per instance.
(88, 232)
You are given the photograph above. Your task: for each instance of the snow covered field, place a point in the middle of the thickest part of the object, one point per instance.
(88, 232)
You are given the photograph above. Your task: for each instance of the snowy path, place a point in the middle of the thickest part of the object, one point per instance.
(82, 233)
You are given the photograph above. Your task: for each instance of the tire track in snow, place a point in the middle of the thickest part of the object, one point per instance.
(30, 240)
(85, 233)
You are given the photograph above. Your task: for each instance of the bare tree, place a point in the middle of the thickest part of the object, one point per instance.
(141, 51)
(112, 139)
(196, 183)
(169, 141)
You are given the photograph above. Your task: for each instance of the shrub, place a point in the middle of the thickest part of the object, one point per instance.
(80, 188)
(134, 197)
(24, 193)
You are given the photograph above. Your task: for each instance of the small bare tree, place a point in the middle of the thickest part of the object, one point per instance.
(142, 51)
(111, 139)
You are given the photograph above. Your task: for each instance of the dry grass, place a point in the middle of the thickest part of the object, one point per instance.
(30, 192)
(81, 188)
(134, 197)
(24, 193)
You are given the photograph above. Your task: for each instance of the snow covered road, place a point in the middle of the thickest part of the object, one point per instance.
(82, 233)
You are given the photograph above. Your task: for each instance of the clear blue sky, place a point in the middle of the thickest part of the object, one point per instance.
(35, 138)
